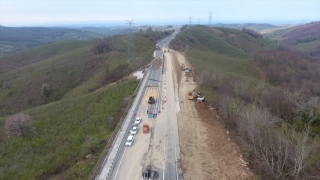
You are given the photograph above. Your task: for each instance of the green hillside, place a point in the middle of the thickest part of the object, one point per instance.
(69, 67)
(65, 132)
(207, 61)
(267, 121)
(221, 49)
(224, 41)
(253, 26)
(74, 96)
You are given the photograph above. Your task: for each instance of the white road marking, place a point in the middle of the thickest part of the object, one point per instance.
(120, 163)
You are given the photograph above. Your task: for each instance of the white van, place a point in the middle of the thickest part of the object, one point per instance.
(129, 140)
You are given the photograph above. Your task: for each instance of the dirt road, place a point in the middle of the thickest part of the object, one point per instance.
(206, 149)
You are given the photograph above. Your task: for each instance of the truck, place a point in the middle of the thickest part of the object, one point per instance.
(151, 100)
(190, 95)
(145, 128)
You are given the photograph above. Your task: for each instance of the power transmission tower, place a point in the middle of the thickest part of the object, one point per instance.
(210, 20)
(131, 51)
(189, 32)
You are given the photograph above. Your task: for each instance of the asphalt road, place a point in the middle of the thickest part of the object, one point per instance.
(160, 148)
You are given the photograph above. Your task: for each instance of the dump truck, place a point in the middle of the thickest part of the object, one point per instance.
(145, 128)
(190, 95)
(151, 100)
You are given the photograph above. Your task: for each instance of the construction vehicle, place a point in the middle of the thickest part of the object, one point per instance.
(190, 95)
(200, 98)
(151, 100)
(145, 128)
(183, 67)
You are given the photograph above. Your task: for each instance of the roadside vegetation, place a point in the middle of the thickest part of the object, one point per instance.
(60, 103)
(275, 119)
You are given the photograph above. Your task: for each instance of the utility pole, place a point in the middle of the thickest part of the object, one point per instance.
(210, 20)
(189, 32)
(131, 51)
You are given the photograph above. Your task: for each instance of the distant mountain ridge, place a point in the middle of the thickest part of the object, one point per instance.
(21, 38)
(253, 26)
(302, 34)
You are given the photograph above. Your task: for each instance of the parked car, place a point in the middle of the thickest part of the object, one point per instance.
(134, 130)
(137, 121)
(129, 140)
(146, 174)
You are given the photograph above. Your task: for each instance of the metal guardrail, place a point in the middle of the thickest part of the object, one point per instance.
(124, 132)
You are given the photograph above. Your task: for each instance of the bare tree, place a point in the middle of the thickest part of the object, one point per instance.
(229, 109)
(18, 125)
(303, 148)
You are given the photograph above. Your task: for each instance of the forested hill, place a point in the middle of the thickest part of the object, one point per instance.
(302, 34)
(266, 94)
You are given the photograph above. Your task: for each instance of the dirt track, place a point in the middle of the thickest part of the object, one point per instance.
(206, 149)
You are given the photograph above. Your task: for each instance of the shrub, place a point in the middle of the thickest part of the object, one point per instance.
(18, 125)
(45, 90)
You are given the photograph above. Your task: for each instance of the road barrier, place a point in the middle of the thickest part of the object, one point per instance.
(118, 144)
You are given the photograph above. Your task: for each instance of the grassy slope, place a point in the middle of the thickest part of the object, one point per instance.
(253, 26)
(224, 41)
(39, 54)
(220, 50)
(308, 46)
(69, 68)
(206, 61)
(66, 131)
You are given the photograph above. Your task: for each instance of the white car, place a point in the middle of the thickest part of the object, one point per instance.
(134, 130)
(137, 121)
(129, 140)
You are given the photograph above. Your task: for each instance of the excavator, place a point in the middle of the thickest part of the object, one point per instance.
(190, 95)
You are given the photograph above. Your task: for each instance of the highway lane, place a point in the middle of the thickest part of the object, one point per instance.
(172, 150)
(131, 163)
(158, 148)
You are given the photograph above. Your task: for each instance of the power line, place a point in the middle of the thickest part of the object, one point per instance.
(210, 20)
(131, 50)
(189, 32)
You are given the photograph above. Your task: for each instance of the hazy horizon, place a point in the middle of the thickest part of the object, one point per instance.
(124, 23)
(17, 13)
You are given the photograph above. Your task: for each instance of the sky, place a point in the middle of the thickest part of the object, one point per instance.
(147, 12)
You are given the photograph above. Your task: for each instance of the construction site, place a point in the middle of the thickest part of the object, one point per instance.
(207, 152)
